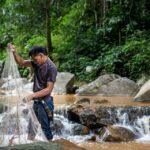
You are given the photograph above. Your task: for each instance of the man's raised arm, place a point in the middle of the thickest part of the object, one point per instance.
(19, 59)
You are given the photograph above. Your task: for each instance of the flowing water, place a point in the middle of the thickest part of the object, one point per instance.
(15, 119)
(62, 102)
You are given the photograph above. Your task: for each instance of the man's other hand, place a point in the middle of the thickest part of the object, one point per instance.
(11, 47)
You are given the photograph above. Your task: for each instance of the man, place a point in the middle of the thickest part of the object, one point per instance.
(45, 73)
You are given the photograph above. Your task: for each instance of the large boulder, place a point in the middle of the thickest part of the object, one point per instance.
(64, 83)
(109, 85)
(93, 87)
(121, 86)
(144, 93)
(56, 145)
(105, 115)
(119, 134)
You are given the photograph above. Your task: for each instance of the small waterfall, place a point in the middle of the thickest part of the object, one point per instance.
(140, 126)
(67, 131)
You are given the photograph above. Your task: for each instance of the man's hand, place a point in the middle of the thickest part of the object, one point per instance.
(11, 47)
(30, 97)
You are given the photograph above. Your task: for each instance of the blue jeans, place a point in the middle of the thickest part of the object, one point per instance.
(42, 117)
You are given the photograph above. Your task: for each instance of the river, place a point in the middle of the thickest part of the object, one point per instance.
(62, 101)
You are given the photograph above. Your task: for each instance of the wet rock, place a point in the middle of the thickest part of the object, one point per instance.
(88, 117)
(73, 113)
(80, 130)
(93, 87)
(103, 101)
(86, 102)
(57, 127)
(105, 115)
(144, 93)
(64, 83)
(83, 100)
(120, 134)
(93, 138)
(56, 145)
(67, 145)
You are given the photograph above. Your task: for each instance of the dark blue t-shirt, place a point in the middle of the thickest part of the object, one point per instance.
(43, 74)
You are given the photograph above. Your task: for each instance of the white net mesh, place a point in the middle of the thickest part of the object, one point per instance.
(17, 117)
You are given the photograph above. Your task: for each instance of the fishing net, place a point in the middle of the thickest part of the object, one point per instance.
(18, 116)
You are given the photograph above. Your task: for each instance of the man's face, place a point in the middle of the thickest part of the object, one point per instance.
(38, 59)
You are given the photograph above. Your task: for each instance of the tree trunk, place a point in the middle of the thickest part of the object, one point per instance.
(48, 26)
(58, 9)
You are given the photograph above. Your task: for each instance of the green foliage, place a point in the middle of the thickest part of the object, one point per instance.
(24, 72)
(35, 40)
(2, 55)
(111, 36)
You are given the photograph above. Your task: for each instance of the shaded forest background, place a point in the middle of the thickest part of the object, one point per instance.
(111, 36)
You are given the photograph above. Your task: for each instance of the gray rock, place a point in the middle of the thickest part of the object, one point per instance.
(144, 93)
(105, 115)
(64, 83)
(80, 130)
(57, 127)
(93, 87)
(83, 102)
(120, 134)
(109, 85)
(121, 86)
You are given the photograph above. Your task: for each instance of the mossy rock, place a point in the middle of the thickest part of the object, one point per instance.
(55, 145)
(33, 146)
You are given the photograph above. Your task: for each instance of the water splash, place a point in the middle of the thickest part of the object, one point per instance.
(141, 126)
(67, 130)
